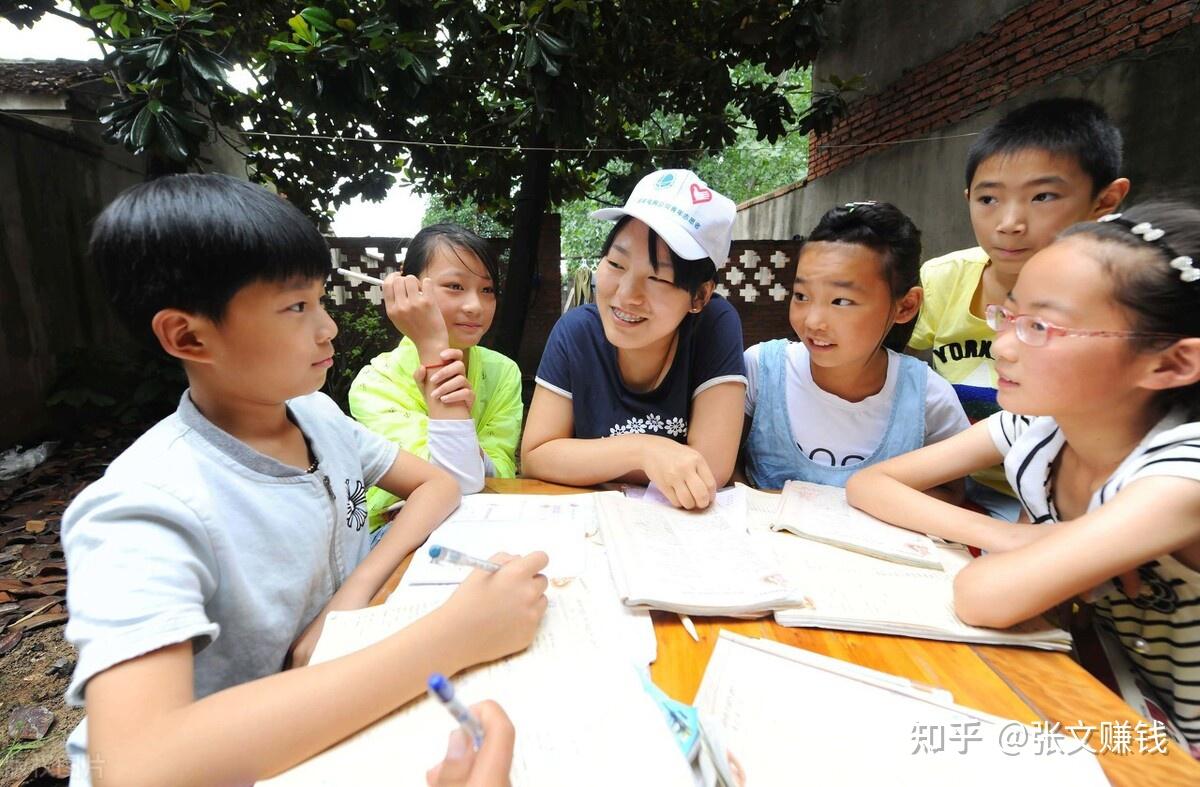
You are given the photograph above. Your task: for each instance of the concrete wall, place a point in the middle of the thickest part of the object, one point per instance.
(1146, 92)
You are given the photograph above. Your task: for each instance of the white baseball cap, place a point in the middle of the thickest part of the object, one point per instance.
(695, 221)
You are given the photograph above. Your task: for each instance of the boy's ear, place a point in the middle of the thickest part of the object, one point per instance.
(909, 304)
(967, 194)
(182, 334)
(1175, 367)
(703, 296)
(1110, 197)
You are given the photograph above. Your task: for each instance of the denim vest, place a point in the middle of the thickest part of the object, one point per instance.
(772, 456)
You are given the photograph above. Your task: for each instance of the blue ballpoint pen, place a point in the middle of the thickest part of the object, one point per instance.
(441, 554)
(441, 688)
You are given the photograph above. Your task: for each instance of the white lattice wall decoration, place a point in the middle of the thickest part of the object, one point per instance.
(757, 282)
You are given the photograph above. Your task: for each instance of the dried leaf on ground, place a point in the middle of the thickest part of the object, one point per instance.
(29, 723)
(40, 621)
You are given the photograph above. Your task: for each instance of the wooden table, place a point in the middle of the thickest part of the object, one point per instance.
(1016, 683)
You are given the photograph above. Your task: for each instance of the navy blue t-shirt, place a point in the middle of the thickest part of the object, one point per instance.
(580, 364)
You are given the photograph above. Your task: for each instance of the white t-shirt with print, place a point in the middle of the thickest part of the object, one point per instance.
(833, 431)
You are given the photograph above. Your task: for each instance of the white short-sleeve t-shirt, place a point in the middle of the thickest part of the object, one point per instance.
(833, 431)
(1160, 628)
(193, 536)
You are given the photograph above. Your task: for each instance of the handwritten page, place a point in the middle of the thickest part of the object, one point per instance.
(821, 513)
(854, 592)
(762, 508)
(518, 524)
(860, 726)
(700, 563)
(581, 715)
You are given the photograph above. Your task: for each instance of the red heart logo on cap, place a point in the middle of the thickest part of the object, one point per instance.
(700, 194)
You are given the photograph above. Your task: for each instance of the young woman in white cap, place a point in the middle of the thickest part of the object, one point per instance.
(648, 383)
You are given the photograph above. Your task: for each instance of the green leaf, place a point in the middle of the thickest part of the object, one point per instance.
(117, 23)
(347, 25)
(162, 55)
(174, 144)
(161, 16)
(103, 11)
(532, 53)
(142, 131)
(287, 46)
(209, 65)
(301, 29)
(183, 5)
(319, 18)
(553, 45)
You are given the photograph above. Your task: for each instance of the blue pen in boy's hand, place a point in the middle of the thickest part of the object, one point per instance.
(441, 688)
(440, 554)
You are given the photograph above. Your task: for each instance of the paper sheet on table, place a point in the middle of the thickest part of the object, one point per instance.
(701, 563)
(821, 513)
(518, 524)
(581, 714)
(752, 689)
(634, 630)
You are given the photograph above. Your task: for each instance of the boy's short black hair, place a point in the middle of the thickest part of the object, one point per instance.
(190, 242)
(690, 275)
(1072, 127)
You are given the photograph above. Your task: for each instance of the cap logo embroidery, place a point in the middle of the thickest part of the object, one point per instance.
(700, 194)
(664, 182)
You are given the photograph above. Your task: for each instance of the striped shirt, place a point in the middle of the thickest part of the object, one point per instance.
(1160, 628)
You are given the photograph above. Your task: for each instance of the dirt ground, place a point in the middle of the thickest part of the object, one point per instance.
(35, 661)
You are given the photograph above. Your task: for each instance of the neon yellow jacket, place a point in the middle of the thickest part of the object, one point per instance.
(385, 399)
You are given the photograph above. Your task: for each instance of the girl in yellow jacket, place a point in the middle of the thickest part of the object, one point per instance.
(439, 394)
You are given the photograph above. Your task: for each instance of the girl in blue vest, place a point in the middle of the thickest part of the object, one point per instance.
(844, 396)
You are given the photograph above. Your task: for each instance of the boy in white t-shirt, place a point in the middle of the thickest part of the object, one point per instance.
(843, 397)
(206, 558)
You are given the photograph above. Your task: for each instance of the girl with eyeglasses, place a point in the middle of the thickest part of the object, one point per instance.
(1098, 356)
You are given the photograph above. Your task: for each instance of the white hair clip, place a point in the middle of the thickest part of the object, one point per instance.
(1188, 271)
(1147, 231)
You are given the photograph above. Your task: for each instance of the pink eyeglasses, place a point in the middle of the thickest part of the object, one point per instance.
(1035, 331)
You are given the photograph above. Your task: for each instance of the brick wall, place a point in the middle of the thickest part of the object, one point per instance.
(1044, 39)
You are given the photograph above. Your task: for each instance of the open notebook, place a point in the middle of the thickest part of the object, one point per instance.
(791, 717)
(581, 714)
(518, 524)
(821, 513)
(700, 563)
(854, 592)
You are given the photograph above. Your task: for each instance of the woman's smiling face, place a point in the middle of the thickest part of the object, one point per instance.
(639, 306)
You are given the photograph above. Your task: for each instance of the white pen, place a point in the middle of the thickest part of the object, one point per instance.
(441, 688)
(440, 554)
(360, 276)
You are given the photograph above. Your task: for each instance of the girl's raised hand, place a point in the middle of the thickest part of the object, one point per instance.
(680, 471)
(412, 309)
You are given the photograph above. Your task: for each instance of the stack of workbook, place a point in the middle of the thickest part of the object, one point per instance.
(860, 574)
(699, 563)
(785, 716)
(581, 713)
(819, 564)
(821, 513)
